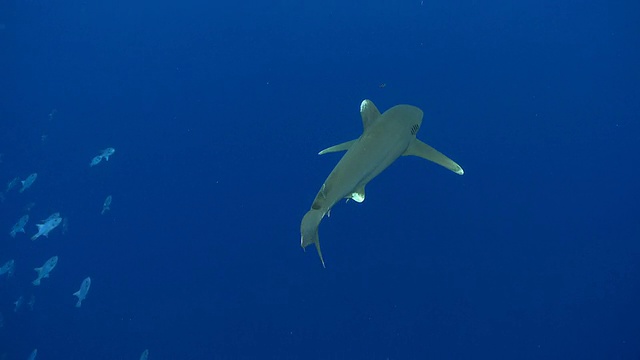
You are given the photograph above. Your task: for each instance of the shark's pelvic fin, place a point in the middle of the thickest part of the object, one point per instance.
(369, 112)
(358, 195)
(309, 231)
(420, 149)
(340, 147)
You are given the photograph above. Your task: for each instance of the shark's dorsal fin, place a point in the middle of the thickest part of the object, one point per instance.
(369, 112)
(420, 149)
(340, 147)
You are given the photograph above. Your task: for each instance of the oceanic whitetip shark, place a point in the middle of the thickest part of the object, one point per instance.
(385, 138)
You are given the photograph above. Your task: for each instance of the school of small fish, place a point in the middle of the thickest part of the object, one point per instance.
(44, 228)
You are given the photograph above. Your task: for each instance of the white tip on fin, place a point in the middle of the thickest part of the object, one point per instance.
(420, 149)
(369, 112)
(340, 147)
(358, 195)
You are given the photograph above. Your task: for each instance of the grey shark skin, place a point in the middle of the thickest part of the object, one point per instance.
(385, 138)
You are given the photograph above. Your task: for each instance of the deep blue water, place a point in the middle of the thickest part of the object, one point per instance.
(217, 111)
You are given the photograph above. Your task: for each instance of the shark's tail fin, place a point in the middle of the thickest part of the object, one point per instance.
(309, 230)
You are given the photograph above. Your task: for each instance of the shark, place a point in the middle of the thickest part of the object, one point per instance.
(385, 138)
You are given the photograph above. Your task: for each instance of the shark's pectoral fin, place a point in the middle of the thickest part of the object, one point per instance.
(340, 147)
(420, 149)
(309, 231)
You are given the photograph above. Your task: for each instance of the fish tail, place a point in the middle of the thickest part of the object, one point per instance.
(309, 231)
(36, 282)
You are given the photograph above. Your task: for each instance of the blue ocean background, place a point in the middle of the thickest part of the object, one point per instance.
(217, 111)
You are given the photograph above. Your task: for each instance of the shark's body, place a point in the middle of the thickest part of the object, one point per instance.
(385, 138)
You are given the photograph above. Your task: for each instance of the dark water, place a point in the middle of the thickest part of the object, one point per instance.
(217, 110)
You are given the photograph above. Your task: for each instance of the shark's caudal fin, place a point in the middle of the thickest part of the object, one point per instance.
(420, 149)
(309, 230)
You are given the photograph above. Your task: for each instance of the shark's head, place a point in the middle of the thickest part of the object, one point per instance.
(407, 117)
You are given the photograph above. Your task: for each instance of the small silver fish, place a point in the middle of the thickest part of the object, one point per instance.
(49, 224)
(107, 152)
(82, 293)
(33, 355)
(95, 161)
(43, 272)
(7, 268)
(144, 355)
(65, 225)
(19, 226)
(18, 304)
(51, 217)
(106, 206)
(26, 183)
(12, 184)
